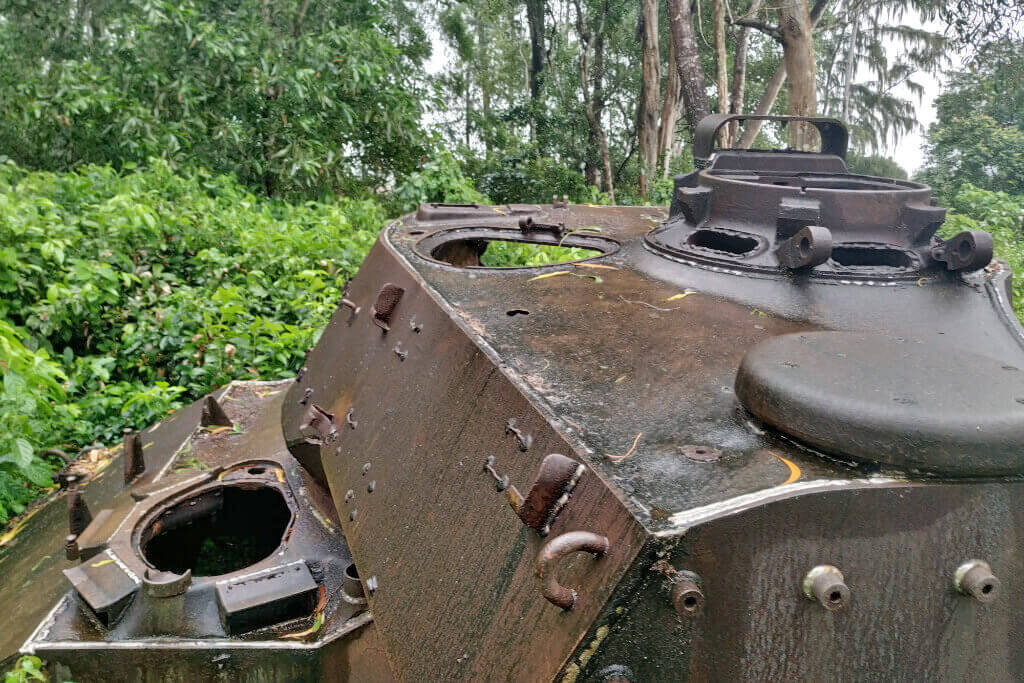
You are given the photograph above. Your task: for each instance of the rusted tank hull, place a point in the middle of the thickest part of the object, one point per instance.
(731, 446)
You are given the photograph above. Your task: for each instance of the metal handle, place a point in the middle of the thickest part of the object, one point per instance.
(557, 548)
(834, 136)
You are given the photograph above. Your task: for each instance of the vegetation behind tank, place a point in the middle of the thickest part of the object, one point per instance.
(214, 239)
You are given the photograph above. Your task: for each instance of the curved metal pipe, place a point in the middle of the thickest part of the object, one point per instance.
(557, 548)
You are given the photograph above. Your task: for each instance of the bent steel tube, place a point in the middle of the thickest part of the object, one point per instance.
(557, 548)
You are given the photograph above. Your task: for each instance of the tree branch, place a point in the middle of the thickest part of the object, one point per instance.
(773, 31)
(299, 18)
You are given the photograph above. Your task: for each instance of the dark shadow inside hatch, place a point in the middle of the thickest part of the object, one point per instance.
(217, 532)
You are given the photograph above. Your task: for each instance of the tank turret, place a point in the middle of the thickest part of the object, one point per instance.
(773, 431)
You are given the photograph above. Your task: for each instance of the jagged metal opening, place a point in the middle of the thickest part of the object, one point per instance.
(494, 253)
(870, 257)
(217, 532)
(724, 242)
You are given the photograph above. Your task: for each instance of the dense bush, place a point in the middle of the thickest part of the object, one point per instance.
(295, 98)
(1000, 214)
(124, 295)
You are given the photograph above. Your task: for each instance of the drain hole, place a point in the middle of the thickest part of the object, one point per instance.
(217, 532)
(257, 470)
(874, 257)
(517, 311)
(725, 242)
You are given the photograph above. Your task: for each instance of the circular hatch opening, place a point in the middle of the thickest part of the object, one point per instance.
(495, 248)
(217, 532)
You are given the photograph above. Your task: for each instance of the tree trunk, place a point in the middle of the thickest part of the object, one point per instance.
(691, 76)
(535, 18)
(764, 106)
(771, 91)
(593, 102)
(739, 75)
(798, 55)
(669, 111)
(721, 66)
(851, 64)
(650, 88)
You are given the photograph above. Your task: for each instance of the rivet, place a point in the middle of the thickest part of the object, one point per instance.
(371, 486)
(371, 584)
(349, 495)
(975, 578)
(825, 584)
(366, 468)
(687, 597)
(352, 515)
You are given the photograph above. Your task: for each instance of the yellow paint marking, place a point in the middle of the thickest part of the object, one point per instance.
(547, 275)
(676, 297)
(497, 210)
(794, 471)
(100, 564)
(280, 475)
(594, 265)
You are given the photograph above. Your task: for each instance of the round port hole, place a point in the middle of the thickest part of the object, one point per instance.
(217, 532)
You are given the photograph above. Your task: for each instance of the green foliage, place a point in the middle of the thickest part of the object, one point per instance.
(32, 401)
(26, 669)
(507, 254)
(1000, 214)
(296, 102)
(440, 180)
(875, 165)
(978, 138)
(974, 150)
(126, 295)
(531, 179)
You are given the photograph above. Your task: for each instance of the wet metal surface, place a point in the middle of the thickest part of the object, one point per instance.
(729, 472)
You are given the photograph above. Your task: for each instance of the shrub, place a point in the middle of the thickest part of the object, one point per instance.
(124, 295)
(1003, 216)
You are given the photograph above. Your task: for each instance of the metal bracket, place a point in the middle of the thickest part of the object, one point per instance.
(527, 224)
(967, 251)
(525, 440)
(557, 548)
(808, 248)
(320, 421)
(834, 136)
(387, 302)
(550, 491)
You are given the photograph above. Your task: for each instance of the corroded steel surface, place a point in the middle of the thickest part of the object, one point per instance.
(769, 433)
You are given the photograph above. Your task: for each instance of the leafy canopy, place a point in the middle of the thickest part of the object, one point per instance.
(298, 98)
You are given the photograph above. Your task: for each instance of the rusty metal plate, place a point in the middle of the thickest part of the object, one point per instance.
(439, 549)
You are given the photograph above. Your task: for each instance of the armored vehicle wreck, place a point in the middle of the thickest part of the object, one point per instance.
(773, 432)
